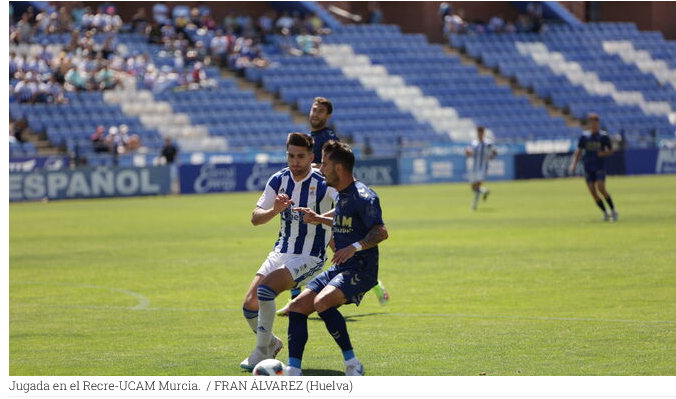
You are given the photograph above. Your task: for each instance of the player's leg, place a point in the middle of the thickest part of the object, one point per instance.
(476, 185)
(250, 304)
(349, 286)
(274, 283)
(601, 184)
(299, 310)
(590, 178)
(283, 312)
(381, 293)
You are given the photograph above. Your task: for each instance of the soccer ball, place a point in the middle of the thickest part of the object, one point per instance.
(270, 367)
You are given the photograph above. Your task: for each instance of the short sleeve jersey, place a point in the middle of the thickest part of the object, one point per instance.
(321, 137)
(357, 209)
(592, 144)
(295, 236)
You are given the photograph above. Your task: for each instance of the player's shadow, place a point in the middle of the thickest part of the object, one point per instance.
(311, 372)
(352, 317)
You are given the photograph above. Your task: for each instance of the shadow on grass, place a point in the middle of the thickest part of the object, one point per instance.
(310, 372)
(352, 317)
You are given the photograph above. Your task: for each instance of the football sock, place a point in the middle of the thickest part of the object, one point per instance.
(477, 193)
(266, 316)
(600, 204)
(297, 338)
(610, 202)
(483, 190)
(335, 323)
(295, 292)
(251, 317)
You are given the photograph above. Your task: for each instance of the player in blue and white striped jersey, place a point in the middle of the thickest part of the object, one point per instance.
(479, 153)
(300, 250)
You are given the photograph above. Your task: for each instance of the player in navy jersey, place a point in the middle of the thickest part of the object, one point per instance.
(300, 250)
(358, 228)
(594, 145)
(320, 113)
(480, 152)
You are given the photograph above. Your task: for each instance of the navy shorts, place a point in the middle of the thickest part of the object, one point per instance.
(354, 278)
(591, 176)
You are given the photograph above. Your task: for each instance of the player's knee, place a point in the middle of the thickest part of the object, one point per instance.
(265, 293)
(301, 305)
(250, 302)
(322, 303)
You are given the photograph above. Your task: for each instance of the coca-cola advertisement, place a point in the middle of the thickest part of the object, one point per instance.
(535, 166)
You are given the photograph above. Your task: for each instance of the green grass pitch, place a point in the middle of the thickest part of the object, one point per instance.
(533, 283)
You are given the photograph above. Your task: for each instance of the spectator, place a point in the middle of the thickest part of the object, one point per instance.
(130, 142)
(219, 48)
(98, 140)
(375, 14)
(285, 22)
(456, 23)
(169, 151)
(496, 24)
(26, 90)
(64, 22)
(308, 44)
(445, 10)
(139, 21)
(24, 29)
(77, 13)
(534, 12)
(161, 13)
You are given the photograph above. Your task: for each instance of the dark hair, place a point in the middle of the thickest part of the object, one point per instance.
(325, 102)
(339, 153)
(300, 140)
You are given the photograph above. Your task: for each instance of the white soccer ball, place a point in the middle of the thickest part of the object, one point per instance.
(270, 367)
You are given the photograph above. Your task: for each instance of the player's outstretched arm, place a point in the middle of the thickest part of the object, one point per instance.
(262, 216)
(312, 217)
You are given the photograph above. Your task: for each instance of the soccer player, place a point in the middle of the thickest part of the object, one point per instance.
(481, 151)
(596, 146)
(358, 228)
(320, 113)
(300, 250)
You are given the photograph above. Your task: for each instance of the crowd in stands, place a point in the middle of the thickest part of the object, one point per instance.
(455, 21)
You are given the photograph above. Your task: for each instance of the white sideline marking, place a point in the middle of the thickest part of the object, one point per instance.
(143, 301)
(440, 315)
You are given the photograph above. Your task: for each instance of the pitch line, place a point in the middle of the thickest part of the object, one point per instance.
(143, 301)
(356, 315)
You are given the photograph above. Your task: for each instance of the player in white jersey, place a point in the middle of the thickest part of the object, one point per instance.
(480, 152)
(300, 250)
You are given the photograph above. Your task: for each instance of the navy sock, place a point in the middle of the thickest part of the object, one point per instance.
(297, 337)
(335, 323)
(295, 292)
(600, 204)
(610, 202)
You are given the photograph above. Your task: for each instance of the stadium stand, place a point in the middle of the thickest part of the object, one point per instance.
(613, 69)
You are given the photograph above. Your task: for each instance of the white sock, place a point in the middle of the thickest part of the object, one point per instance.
(483, 190)
(253, 323)
(266, 317)
(476, 198)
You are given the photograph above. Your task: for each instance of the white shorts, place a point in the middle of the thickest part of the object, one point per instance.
(302, 267)
(477, 176)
